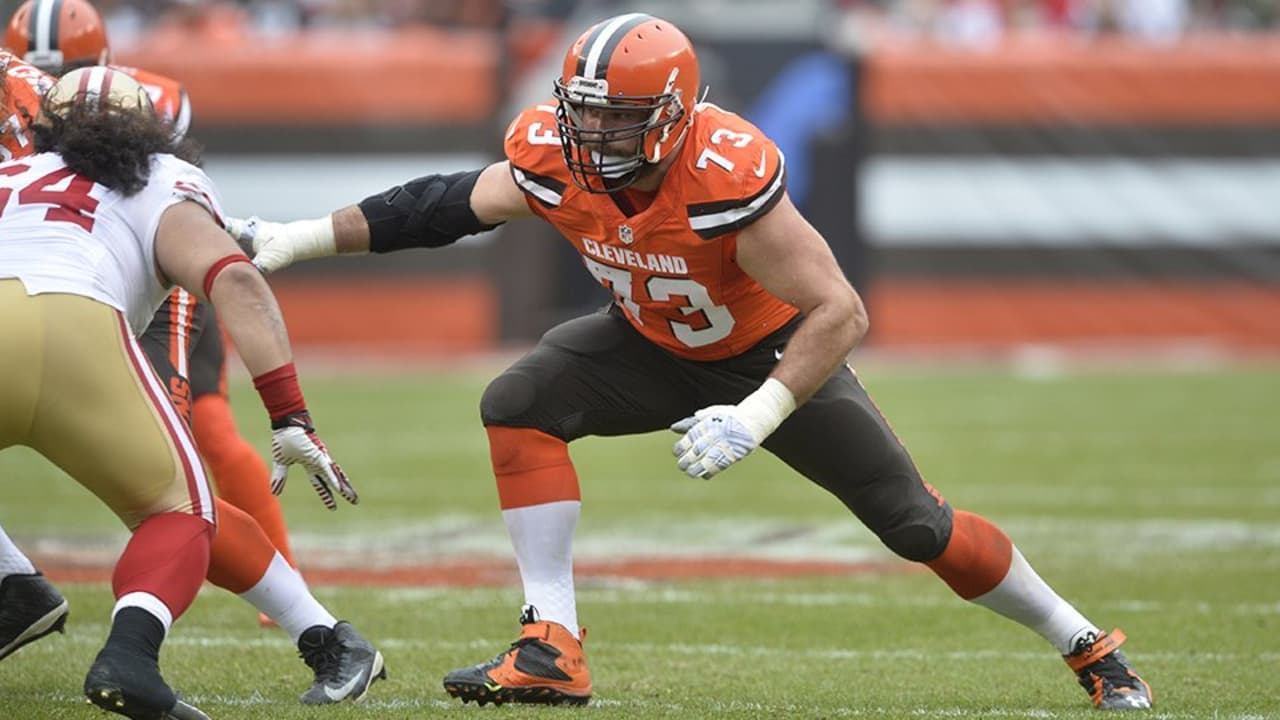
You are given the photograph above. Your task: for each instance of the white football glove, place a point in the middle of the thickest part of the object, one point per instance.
(275, 246)
(714, 438)
(718, 436)
(294, 441)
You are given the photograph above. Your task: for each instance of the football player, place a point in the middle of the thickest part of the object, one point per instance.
(730, 325)
(244, 559)
(77, 388)
(184, 342)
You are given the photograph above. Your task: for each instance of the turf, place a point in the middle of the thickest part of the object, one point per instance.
(1151, 499)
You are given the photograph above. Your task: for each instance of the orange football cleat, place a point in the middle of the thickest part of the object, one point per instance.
(546, 665)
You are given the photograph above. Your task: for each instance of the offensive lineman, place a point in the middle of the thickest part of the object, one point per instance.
(730, 324)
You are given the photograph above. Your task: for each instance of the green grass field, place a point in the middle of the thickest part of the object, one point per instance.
(1151, 499)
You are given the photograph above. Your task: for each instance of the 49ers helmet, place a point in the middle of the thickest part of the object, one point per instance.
(58, 35)
(100, 89)
(634, 64)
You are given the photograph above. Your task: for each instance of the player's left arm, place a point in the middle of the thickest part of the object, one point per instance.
(787, 256)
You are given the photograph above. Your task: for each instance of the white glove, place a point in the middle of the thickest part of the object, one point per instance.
(295, 442)
(718, 436)
(275, 246)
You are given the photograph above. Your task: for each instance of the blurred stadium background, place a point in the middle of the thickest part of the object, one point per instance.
(1064, 215)
(993, 174)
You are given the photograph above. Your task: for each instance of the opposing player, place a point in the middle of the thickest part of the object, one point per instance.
(243, 559)
(184, 342)
(731, 325)
(98, 225)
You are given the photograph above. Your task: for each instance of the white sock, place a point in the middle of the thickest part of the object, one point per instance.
(1024, 598)
(283, 596)
(542, 536)
(12, 561)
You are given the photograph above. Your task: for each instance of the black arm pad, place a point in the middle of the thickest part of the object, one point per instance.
(430, 211)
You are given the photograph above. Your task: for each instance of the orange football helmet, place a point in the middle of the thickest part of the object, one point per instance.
(58, 35)
(625, 99)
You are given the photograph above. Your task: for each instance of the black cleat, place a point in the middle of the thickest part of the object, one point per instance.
(131, 686)
(30, 608)
(1104, 672)
(345, 664)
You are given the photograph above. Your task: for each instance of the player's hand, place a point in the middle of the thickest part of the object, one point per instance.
(294, 441)
(268, 243)
(714, 438)
(243, 231)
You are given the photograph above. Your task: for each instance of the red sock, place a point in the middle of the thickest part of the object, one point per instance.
(976, 559)
(239, 472)
(241, 552)
(531, 467)
(167, 557)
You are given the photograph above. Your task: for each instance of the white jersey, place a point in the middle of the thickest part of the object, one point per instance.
(62, 233)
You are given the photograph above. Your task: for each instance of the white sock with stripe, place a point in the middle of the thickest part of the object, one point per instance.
(542, 536)
(12, 560)
(283, 596)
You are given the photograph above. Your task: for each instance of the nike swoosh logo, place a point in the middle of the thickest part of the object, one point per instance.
(777, 354)
(493, 687)
(340, 693)
(759, 169)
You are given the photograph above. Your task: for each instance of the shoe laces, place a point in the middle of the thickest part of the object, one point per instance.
(528, 616)
(1112, 667)
(324, 657)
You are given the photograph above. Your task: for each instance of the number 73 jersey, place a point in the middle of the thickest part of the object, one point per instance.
(672, 266)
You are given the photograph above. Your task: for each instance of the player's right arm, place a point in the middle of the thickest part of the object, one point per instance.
(194, 251)
(188, 246)
(430, 211)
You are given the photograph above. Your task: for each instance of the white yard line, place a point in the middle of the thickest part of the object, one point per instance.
(91, 634)
(449, 539)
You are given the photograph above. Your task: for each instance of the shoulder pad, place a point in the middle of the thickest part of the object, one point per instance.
(739, 173)
(185, 181)
(537, 161)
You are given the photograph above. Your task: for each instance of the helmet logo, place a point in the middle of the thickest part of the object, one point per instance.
(626, 235)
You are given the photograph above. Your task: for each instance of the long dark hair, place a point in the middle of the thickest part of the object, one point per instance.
(110, 145)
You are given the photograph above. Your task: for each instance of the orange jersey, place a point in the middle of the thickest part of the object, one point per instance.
(168, 96)
(24, 86)
(671, 266)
